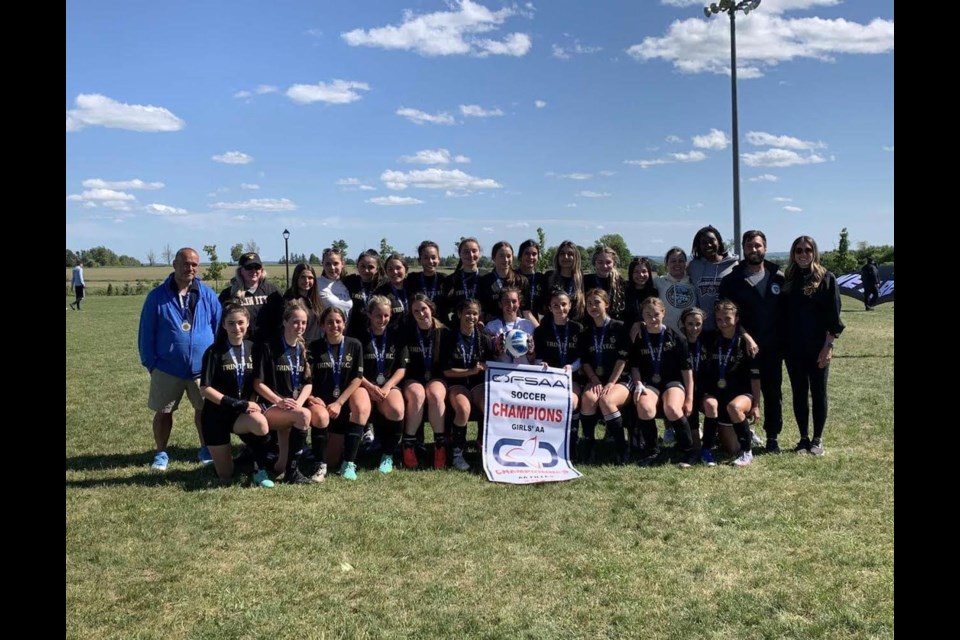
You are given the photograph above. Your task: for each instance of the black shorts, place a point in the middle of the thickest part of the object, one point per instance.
(663, 386)
(726, 396)
(216, 424)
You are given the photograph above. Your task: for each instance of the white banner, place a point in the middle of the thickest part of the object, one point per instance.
(526, 433)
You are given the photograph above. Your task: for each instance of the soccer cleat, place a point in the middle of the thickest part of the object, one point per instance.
(160, 461)
(690, 458)
(803, 447)
(459, 462)
(707, 457)
(410, 458)
(439, 457)
(204, 456)
(293, 476)
(386, 464)
(648, 458)
(348, 470)
(772, 446)
(816, 447)
(755, 439)
(669, 436)
(368, 437)
(320, 474)
(742, 460)
(260, 478)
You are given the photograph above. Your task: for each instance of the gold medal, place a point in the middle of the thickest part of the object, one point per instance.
(185, 326)
(722, 383)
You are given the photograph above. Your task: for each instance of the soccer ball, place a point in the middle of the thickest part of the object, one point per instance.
(516, 342)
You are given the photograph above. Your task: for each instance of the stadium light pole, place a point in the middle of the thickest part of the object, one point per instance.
(731, 7)
(286, 254)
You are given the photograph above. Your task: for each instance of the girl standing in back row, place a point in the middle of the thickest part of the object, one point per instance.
(567, 275)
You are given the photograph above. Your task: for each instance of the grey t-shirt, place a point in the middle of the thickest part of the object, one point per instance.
(706, 277)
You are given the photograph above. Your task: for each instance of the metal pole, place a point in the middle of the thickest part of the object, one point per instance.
(735, 128)
(286, 254)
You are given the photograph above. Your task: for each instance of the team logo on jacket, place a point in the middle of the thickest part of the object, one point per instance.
(775, 289)
(680, 297)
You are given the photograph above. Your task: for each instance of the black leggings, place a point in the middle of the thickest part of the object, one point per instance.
(807, 378)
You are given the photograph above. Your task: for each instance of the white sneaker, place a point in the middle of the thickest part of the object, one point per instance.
(459, 462)
(320, 474)
(742, 460)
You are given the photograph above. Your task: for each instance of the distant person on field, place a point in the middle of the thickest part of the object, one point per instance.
(178, 323)
(870, 277)
(77, 286)
(249, 288)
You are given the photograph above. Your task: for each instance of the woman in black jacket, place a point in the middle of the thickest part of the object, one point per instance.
(810, 322)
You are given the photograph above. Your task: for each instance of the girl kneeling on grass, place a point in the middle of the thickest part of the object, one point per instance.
(662, 378)
(384, 365)
(284, 383)
(731, 382)
(227, 384)
(424, 383)
(466, 349)
(337, 374)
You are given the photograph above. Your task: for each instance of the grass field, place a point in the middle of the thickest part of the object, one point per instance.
(790, 547)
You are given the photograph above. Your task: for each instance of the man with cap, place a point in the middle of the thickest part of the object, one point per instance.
(249, 288)
(178, 323)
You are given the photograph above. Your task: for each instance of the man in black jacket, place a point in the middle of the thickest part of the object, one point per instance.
(755, 286)
(870, 277)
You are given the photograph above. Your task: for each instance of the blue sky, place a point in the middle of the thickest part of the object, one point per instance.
(192, 123)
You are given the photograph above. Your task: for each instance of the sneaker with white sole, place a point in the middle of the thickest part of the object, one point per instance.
(204, 456)
(261, 479)
(816, 447)
(742, 460)
(368, 437)
(706, 456)
(348, 470)
(459, 462)
(803, 447)
(386, 464)
(160, 461)
(294, 476)
(320, 474)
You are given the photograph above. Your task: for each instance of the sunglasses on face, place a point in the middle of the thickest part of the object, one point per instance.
(803, 250)
(252, 267)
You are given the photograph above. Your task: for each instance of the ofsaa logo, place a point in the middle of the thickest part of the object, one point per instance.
(529, 381)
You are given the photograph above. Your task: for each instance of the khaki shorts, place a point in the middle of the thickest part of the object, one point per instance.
(166, 391)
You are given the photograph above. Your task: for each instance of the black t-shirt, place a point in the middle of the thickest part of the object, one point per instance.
(459, 351)
(551, 342)
(322, 357)
(738, 370)
(421, 344)
(360, 293)
(393, 353)
(399, 303)
(221, 363)
(279, 364)
(259, 330)
(274, 312)
(673, 355)
(593, 281)
(431, 286)
(565, 283)
(632, 298)
(458, 286)
(614, 344)
(535, 295)
(488, 292)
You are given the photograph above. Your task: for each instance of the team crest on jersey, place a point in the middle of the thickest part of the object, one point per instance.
(775, 289)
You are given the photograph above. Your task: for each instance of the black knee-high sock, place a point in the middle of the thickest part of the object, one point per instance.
(392, 436)
(742, 429)
(318, 443)
(574, 435)
(258, 444)
(459, 436)
(479, 418)
(614, 422)
(648, 428)
(681, 428)
(439, 440)
(709, 432)
(351, 441)
(297, 438)
(587, 443)
(409, 441)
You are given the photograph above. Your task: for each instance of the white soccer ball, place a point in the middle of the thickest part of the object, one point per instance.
(516, 342)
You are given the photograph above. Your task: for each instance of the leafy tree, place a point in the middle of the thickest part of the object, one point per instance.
(167, 254)
(297, 258)
(235, 252)
(315, 259)
(841, 260)
(128, 261)
(215, 268)
(616, 242)
(251, 247)
(542, 264)
(152, 258)
(341, 245)
(385, 248)
(71, 258)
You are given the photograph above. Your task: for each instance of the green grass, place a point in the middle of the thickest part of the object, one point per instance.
(790, 547)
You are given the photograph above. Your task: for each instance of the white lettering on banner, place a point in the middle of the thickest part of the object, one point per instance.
(526, 431)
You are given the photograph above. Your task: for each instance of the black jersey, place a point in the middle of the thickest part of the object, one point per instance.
(535, 297)
(614, 342)
(431, 286)
(283, 368)
(274, 311)
(488, 291)
(632, 299)
(324, 356)
(424, 350)
(615, 308)
(557, 346)
(729, 361)
(458, 351)
(229, 369)
(459, 286)
(567, 284)
(383, 355)
(360, 293)
(254, 302)
(667, 347)
(399, 303)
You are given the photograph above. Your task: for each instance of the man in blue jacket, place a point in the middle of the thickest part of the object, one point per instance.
(178, 323)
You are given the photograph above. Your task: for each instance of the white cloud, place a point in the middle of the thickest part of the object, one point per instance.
(693, 156)
(559, 53)
(763, 139)
(458, 194)
(354, 184)
(764, 38)
(607, 173)
(118, 205)
(249, 186)
(592, 194)
(487, 229)
(446, 33)
(97, 183)
(571, 205)
(890, 148)
(420, 117)
(779, 158)
(539, 104)
(644, 164)
(792, 209)
(782, 199)
(233, 157)
(266, 88)
(165, 210)
(103, 195)
(258, 204)
(95, 110)
(576, 176)
(674, 139)
(434, 156)
(566, 52)
(476, 111)
(314, 33)
(773, 6)
(436, 179)
(518, 225)
(764, 177)
(89, 204)
(716, 140)
(242, 94)
(394, 201)
(337, 92)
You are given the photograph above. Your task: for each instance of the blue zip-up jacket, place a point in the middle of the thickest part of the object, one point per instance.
(163, 344)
